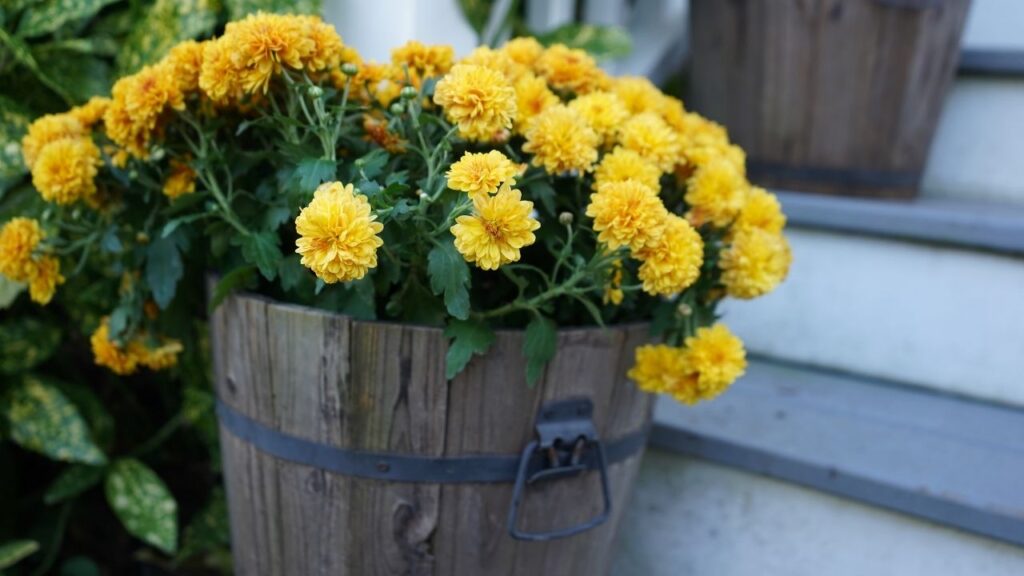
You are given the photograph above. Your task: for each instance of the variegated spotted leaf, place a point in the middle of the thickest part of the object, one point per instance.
(166, 23)
(239, 8)
(143, 504)
(42, 419)
(25, 342)
(15, 551)
(49, 15)
(14, 121)
(23, 55)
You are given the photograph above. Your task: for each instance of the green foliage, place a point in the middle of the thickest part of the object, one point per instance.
(449, 275)
(164, 269)
(477, 13)
(468, 337)
(539, 347)
(143, 504)
(602, 42)
(238, 8)
(13, 552)
(43, 420)
(49, 15)
(26, 342)
(72, 482)
(14, 121)
(208, 530)
(262, 250)
(165, 23)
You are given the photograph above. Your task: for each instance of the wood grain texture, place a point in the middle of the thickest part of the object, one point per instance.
(381, 387)
(826, 84)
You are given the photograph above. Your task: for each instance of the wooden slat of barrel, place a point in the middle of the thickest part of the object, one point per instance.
(381, 387)
(848, 86)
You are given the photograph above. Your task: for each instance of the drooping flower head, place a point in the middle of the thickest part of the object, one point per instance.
(672, 262)
(603, 111)
(181, 179)
(626, 213)
(121, 360)
(481, 101)
(500, 226)
(659, 368)
(481, 173)
(561, 141)
(754, 263)
(623, 164)
(338, 234)
(43, 279)
(19, 238)
(65, 170)
(648, 135)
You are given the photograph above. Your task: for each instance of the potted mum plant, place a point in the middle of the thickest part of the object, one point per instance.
(441, 289)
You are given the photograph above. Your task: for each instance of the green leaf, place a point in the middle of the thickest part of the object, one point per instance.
(142, 503)
(208, 530)
(602, 42)
(261, 249)
(369, 165)
(82, 76)
(311, 172)
(241, 277)
(468, 337)
(23, 55)
(43, 420)
(449, 275)
(539, 344)
(239, 8)
(163, 270)
(9, 291)
(477, 13)
(49, 15)
(14, 121)
(26, 342)
(166, 23)
(79, 566)
(291, 272)
(73, 481)
(15, 551)
(545, 193)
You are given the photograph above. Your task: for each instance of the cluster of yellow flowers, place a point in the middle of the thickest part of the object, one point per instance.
(665, 193)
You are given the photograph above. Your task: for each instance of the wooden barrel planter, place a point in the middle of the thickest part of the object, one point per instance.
(831, 96)
(346, 451)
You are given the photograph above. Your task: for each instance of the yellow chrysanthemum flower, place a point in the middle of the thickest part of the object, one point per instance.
(19, 238)
(163, 356)
(532, 97)
(715, 358)
(91, 112)
(262, 43)
(715, 193)
(762, 211)
(338, 234)
(571, 70)
(327, 50)
(626, 213)
(423, 61)
(501, 225)
(523, 50)
(754, 263)
(613, 293)
(481, 101)
(672, 111)
(497, 60)
(659, 368)
(47, 129)
(648, 135)
(638, 94)
(180, 181)
(375, 82)
(66, 170)
(218, 77)
(603, 111)
(481, 173)
(561, 141)
(43, 279)
(672, 262)
(623, 164)
(139, 103)
(121, 360)
(184, 62)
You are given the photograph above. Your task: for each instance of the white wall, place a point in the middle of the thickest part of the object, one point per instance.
(689, 517)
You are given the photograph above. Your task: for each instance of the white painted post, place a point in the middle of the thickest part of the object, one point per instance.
(375, 28)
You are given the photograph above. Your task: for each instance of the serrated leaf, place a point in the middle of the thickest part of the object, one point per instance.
(311, 172)
(601, 42)
(164, 269)
(49, 15)
(241, 277)
(468, 337)
(208, 530)
(262, 250)
(14, 121)
(239, 8)
(143, 504)
(166, 23)
(15, 551)
(449, 275)
(369, 165)
(26, 342)
(539, 346)
(73, 481)
(43, 420)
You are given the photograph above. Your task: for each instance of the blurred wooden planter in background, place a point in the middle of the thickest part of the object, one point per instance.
(302, 383)
(832, 96)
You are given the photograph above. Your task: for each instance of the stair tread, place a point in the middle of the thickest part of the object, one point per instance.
(945, 458)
